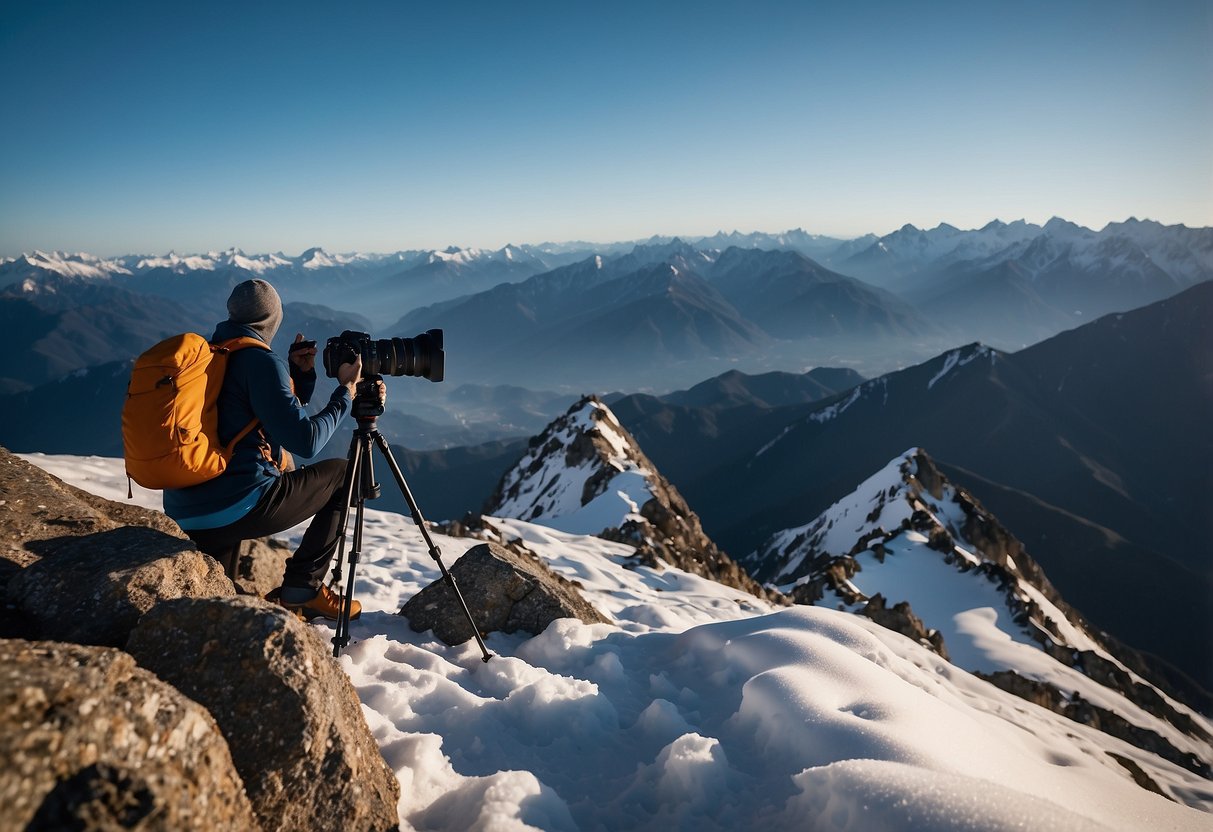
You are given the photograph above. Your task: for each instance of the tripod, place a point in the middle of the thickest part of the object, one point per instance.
(360, 486)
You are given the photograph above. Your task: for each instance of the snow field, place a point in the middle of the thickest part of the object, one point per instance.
(704, 709)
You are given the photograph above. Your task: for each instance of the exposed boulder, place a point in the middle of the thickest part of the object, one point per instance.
(259, 566)
(505, 591)
(36, 506)
(288, 710)
(39, 512)
(94, 588)
(88, 740)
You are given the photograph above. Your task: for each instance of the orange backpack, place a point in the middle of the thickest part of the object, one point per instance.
(170, 422)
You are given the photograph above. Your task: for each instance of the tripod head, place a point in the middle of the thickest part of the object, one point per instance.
(367, 407)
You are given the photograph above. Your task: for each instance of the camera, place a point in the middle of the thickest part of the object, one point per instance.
(421, 356)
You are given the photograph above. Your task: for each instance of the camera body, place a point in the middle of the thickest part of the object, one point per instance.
(421, 357)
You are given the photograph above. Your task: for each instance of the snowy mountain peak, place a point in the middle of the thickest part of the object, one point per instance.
(918, 554)
(585, 474)
(317, 258)
(68, 265)
(582, 475)
(1057, 227)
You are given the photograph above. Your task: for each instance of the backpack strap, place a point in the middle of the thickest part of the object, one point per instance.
(285, 463)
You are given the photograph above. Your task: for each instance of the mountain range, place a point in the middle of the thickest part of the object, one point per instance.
(668, 313)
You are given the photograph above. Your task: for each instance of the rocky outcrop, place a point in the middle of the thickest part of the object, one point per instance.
(94, 588)
(508, 591)
(1073, 706)
(39, 511)
(36, 507)
(88, 740)
(269, 715)
(901, 619)
(290, 715)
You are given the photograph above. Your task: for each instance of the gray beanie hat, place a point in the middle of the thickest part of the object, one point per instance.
(256, 304)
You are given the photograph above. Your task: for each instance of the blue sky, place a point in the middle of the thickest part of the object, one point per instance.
(377, 126)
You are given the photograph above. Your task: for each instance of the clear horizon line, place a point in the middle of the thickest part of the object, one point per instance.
(635, 241)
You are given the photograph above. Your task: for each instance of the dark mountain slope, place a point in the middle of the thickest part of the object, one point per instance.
(52, 325)
(790, 296)
(1107, 423)
(776, 389)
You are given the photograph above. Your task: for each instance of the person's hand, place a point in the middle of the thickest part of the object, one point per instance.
(303, 357)
(381, 392)
(350, 375)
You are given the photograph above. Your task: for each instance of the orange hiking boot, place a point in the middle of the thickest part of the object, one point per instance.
(323, 604)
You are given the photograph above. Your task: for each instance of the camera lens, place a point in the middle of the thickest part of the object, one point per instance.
(421, 357)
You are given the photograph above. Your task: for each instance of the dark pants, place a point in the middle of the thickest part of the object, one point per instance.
(297, 495)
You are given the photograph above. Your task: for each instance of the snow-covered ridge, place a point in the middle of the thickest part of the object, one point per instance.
(313, 259)
(906, 534)
(1185, 254)
(585, 474)
(581, 475)
(961, 357)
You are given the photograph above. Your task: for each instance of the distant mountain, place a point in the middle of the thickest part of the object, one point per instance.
(622, 320)
(795, 298)
(815, 246)
(890, 260)
(51, 325)
(919, 554)
(734, 388)
(381, 287)
(791, 296)
(685, 429)
(1016, 283)
(664, 313)
(1095, 443)
(443, 275)
(48, 418)
(39, 263)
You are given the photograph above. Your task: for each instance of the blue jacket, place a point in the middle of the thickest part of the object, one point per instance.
(256, 385)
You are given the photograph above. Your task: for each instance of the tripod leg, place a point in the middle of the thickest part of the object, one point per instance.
(347, 599)
(435, 553)
(358, 449)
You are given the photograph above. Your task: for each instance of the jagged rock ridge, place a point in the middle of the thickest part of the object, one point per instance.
(586, 475)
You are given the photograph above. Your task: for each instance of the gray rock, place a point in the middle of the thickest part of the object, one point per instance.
(259, 566)
(288, 710)
(94, 588)
(36, 507)
(90, 741)
(39, 512)
(504, 590)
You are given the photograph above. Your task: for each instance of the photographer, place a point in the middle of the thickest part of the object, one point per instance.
(258, 494)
